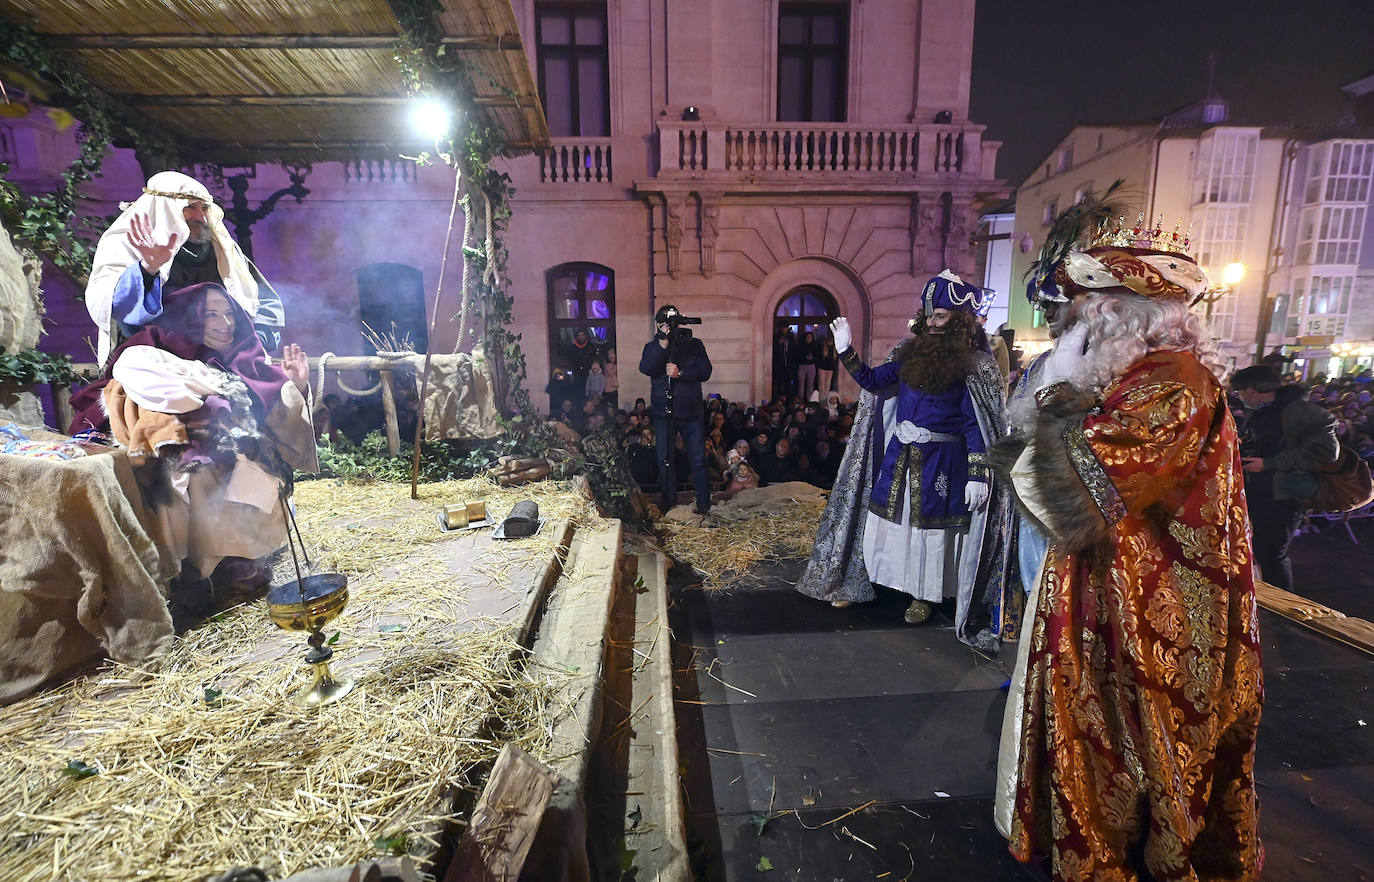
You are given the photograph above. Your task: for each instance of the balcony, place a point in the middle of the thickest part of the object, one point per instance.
(576, 161)
(823, 152)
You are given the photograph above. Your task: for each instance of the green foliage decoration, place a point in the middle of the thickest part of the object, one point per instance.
(369, 460)
(32, 366)
(48, 222)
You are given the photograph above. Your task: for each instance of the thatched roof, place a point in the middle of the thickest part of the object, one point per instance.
(304, 81)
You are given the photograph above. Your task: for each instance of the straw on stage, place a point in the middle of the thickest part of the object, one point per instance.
(202, 762)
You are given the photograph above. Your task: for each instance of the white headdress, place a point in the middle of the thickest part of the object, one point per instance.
(163, 199)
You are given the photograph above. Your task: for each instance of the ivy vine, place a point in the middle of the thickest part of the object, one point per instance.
(48, 222)
(470, 148)
(31, 366)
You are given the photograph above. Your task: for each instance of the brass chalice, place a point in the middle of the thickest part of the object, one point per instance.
(308, 604)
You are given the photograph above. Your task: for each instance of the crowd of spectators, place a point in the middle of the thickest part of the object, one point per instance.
(806, 365)
(1350, 399)
(786, 439)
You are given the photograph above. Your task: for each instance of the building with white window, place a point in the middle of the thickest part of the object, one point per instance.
(1278, 217)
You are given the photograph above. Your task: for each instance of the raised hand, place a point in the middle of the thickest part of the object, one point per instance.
(1063, 363)
(140, 236)
(295, 366)
(839, 332)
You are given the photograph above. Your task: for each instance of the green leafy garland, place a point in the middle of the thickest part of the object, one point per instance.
(47, 222)
(31, 366)
(429, 70)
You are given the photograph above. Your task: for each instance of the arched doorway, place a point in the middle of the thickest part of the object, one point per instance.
(805, 309)
(391, 306)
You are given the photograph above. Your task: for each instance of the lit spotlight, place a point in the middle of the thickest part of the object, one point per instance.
(431, 118)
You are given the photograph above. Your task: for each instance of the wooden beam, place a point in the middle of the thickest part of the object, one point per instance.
(505, 820)
(500, 42)
(278, 146)
(135, 100)
(503, 100)
(393, 426)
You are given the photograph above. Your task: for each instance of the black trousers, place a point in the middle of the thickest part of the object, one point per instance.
(666, 430)
(1275, 522)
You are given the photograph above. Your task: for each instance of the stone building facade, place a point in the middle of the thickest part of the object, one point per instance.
(758, 163)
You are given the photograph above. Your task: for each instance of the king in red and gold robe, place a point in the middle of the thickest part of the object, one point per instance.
(1143, 684)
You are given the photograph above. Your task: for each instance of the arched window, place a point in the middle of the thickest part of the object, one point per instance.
(581, 298)
(391, 302)
(806, 309)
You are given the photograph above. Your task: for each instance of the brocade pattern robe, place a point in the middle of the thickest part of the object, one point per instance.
(1143, 686)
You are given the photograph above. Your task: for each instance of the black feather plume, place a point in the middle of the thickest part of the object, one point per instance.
(1079, 221)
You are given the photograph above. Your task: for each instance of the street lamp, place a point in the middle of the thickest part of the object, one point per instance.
(1232, 274)
(431, 118)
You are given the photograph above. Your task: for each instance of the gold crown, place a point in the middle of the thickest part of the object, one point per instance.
(1144, 235)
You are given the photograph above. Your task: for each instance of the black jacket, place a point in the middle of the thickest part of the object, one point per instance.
(695, 367)
(1295, 437)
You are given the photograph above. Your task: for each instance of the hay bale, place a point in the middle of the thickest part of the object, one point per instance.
(765, 523)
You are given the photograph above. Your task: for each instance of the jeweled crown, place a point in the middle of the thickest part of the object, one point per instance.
(1145, 235)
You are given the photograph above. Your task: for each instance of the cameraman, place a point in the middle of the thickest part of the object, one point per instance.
(677, 365)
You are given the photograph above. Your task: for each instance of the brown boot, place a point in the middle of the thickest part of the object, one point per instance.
(918, 612)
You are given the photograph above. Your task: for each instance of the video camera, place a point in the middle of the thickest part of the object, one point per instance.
(669, 315)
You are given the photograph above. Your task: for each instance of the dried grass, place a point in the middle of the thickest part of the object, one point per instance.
(724, 553)
(191, 784)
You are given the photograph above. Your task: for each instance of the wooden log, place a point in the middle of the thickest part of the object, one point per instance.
(361, 362)
(514, 479)
(496, 842)
(519, 464)
(393, 427)
(62, 404)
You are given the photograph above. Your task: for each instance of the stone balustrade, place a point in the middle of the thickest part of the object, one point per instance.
(576, 160)
(385, 171)
(822, 149)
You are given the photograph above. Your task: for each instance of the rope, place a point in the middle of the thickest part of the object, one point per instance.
(319, 384)
(466, 284)
(490, 275)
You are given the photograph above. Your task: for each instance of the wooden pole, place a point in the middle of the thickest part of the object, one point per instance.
(62, 405)
(393, 426)
(429, 347)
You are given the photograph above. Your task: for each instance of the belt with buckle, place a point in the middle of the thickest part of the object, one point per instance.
(910, 433)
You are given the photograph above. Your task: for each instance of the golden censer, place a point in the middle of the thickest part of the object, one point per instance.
(308, 604)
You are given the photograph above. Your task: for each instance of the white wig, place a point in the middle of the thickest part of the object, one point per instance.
(1123, 327)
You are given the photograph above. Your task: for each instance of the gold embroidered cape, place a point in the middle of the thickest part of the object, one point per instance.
(1143, 687)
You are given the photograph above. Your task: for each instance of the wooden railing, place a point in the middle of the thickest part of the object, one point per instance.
(823, 149)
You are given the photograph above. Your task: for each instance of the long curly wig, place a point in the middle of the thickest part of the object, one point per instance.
(935, 357)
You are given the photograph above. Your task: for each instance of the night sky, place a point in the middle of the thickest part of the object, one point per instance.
(1042, 66)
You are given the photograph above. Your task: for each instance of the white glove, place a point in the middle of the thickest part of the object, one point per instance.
(976, 495)
(839, 332)
(1063, 363)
